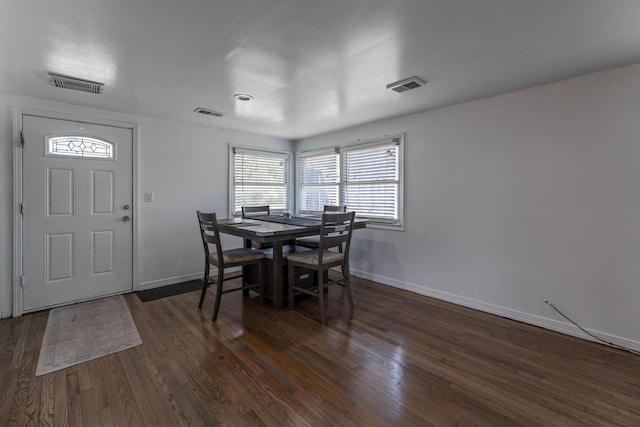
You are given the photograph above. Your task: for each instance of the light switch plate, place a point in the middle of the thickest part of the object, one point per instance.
(149, 197)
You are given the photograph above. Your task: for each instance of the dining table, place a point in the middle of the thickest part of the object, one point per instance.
(276, 230)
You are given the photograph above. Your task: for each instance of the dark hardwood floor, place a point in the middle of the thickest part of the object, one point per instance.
(404, 360)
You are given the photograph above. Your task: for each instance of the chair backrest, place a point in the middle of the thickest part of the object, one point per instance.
(335, 230)
(210, 235)
(334, 208)
(249, 211)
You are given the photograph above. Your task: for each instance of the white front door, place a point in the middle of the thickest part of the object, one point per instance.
(77, 195)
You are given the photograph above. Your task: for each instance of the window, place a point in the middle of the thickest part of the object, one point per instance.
(259, 178)
(371, 181)
(367, 178)
(318, 180)
(79, 146)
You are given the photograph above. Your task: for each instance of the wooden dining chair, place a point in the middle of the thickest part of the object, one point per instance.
(335, 230)
(222, 259)
(252, 211)
(314, 241)
(249, 211)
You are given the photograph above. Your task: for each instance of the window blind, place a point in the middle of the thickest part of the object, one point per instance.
(318, 180)
(371, 180)
(260, 178)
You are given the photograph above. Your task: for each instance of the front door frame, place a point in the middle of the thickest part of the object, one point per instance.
(18, 225)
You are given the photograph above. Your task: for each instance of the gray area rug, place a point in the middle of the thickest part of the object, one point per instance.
(81, 332)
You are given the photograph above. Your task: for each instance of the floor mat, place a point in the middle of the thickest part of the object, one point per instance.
(170, 290)
(81, 332)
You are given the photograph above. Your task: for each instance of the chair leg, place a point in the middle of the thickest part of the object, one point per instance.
(321, 296)
(263, 280)
(290, 283)
(216, 307)
(245, 292)
(205, 285)
(347, 285)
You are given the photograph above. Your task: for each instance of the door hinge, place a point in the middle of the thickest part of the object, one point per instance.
(22, 138)
(22, 281)
(21, 208)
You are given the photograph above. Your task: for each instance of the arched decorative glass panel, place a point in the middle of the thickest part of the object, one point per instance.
(80, 146)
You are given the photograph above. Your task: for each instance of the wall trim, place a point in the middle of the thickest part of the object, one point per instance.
(16, 288)
(531, 319)
(179, 279)
(168, 281)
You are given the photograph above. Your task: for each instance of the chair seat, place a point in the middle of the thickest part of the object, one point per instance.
(234, 256)
(311, 257)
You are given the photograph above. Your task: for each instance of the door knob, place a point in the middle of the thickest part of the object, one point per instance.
(126, 218)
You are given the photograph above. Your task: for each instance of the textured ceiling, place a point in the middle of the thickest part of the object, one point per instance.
(312, 66)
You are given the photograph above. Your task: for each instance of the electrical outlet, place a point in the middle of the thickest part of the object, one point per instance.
(149, 197)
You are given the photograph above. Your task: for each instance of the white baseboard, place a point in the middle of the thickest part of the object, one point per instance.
(179, 279)
(543, 322)
(168, 281)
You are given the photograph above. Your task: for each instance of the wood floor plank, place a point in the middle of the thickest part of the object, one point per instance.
(403, 359)
(142, 390)
(90, 414)
(24, 409)
(84, 377)
(62, 400)
(9, 332)
(121, 380)
(20, 345)
(46, 402)
(188, 361)
(161, 388)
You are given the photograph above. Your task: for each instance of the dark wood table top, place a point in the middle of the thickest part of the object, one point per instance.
(271, 228)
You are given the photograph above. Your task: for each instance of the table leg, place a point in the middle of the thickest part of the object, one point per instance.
(246, 269)
(277, 275)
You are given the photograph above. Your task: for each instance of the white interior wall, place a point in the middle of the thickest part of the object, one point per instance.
(186, 167)
(519, 198)
(509, 201)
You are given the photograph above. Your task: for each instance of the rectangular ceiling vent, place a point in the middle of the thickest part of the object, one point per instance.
(406, 84)
(67, 82)
(207, 112)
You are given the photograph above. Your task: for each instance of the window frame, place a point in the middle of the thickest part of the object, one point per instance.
(299, 185)
(397, 139)
(268, 153)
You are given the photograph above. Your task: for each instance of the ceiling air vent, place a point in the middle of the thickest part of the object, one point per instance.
(207, 112)
(67, 82)
(406, 84)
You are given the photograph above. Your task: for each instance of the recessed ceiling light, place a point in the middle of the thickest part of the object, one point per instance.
(243, 97)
